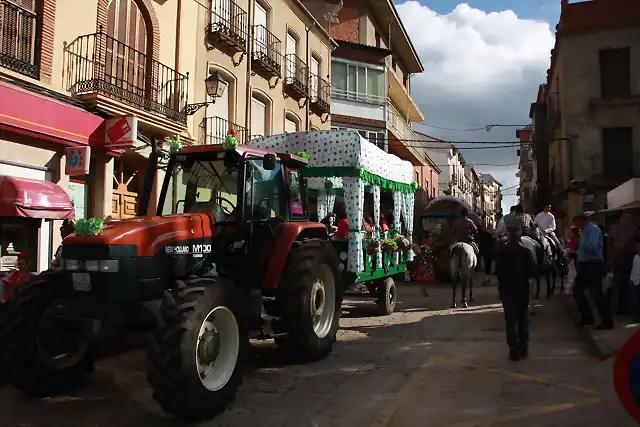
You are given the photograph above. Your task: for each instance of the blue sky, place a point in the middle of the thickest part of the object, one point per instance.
(484, 61)
(545, 10)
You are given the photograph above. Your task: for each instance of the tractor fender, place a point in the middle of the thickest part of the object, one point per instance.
(288, 235)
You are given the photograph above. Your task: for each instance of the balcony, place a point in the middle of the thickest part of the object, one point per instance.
(228, 27)
(214, 130)
(296, 74)
(354, 104)
(405, 135)
(19, 39)
(266, 58)
(401, 97)
(320, 91)
(118, 79)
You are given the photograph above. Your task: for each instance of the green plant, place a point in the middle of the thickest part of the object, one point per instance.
(371, 243)
(389, 244)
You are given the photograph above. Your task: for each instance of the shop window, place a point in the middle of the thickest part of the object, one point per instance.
(19, 235)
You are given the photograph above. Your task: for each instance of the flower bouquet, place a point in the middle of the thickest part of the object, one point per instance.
(389, 245)
(371, 245)
(402, 243)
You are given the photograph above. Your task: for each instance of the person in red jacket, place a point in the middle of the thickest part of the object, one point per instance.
(17, 277)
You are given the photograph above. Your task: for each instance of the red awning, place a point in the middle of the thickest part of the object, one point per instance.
(33, 198)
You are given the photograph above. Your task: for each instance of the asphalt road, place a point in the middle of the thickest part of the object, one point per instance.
(425, 365)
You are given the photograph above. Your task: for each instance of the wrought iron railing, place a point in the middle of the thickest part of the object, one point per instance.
(100, 63)
(320, 92)
(215, 129)
(19, 39)
(267, 50)
(229, 21)
(296, 73)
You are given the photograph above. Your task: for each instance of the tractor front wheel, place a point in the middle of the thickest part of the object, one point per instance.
(310, 300)
(195, 353)
(386, 293)
(36, 359)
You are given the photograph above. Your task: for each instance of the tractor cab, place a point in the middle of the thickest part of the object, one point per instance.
(246, 193)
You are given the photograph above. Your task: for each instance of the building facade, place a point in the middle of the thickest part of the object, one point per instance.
(591, 100)
(93, 73)
(371, 75)
(525, 168)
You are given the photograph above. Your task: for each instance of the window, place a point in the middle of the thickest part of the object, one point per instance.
(615, 74)
(265, 202)
(617, 153)
(357, 83)
(19, 38)
(258, 117)
(291, 123)
(294, 186)
(260, 28)
(314, 76)
(291, 49)
(418, 177)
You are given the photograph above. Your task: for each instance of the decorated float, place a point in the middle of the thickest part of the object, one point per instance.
(343, 162)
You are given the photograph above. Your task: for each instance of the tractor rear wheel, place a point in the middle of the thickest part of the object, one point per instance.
(35, 359)
(195, 353)
(386, 292)
(310, 300)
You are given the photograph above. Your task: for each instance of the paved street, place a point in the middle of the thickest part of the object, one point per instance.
(424, 366)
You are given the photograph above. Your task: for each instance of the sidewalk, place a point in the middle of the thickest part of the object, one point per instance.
(602, 344)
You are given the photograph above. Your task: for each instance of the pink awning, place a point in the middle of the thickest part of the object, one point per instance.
(33, 198)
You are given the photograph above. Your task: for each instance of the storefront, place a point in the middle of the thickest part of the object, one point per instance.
(36, 194)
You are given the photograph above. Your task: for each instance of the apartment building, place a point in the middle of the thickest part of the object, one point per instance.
(525, 168)
(94, 75)
(273, 62)
(371, 74)
(591, 102)
(492, 198)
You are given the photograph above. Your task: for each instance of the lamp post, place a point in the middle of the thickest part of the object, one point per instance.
(214, 90)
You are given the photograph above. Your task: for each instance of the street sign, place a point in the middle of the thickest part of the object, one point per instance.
(627, 376)
(121, 132)
(77, 160)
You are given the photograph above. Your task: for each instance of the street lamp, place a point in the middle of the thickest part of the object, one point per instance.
(214, 90)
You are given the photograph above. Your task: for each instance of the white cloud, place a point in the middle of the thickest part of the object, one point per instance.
(481, 68)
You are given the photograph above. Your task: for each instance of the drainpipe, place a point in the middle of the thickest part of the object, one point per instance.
(307, 111)
(247, 108)
(176, 65)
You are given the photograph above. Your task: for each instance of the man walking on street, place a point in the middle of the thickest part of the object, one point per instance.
(623, 238)
(591, 271)
(514, 267)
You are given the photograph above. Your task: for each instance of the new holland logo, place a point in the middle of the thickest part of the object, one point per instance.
(186, 250)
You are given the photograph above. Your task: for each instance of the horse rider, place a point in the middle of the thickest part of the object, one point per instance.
(527, 226)
(464, 230)
(514, 267)
(547, 223)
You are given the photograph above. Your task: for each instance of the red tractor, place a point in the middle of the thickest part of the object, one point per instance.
(229, 255)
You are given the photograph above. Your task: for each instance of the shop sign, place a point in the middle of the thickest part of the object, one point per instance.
(121, 132)
(77, 160)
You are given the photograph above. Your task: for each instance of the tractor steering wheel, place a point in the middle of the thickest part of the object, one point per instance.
(226, 210)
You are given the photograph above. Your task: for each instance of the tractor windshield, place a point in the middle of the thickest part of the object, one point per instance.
(202, 186)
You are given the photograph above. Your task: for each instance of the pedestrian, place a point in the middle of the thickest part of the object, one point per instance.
(514, 267)
(501, 229)
(67, 228)
(15, 278)
(635, 281)
(591, 271)
(622, 245)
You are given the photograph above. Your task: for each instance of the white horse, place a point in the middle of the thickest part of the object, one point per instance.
(462, 264)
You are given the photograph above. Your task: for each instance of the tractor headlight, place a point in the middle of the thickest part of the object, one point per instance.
(109, 266)
(71, 264)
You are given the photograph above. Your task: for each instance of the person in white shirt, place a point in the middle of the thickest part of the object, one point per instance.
(501, 229)
(547, 223)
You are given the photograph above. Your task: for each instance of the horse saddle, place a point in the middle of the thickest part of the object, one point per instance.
(552, 244)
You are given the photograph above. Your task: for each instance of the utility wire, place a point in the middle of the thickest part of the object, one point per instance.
(486, 128)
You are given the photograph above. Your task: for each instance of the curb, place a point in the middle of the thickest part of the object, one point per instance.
(594, 348)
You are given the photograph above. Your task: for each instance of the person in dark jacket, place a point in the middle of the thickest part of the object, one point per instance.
(514, 267)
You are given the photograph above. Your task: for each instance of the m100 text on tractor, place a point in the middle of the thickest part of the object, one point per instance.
(227, 256)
